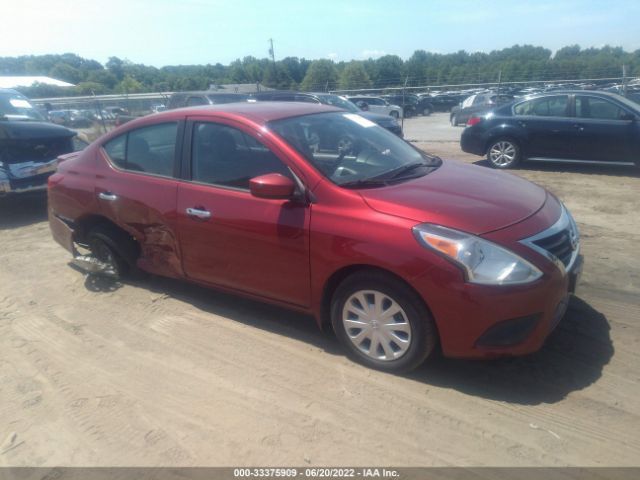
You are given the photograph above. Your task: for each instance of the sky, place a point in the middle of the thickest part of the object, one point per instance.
(181, 32)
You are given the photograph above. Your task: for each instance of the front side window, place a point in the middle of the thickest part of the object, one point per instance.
(225, 156)
(148, 149)
(555, 106)
(597, 108)
(351, 150)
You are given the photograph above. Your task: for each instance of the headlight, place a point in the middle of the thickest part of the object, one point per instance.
(483, 262)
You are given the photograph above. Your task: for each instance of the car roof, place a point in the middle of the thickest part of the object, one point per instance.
(260, 112)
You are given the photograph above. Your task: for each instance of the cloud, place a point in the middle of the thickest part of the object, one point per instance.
(332, 56)
(373, 53)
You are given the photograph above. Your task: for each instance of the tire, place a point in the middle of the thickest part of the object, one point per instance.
(397, 349)
(394, 114)
(454, 120)
(426, 111)
(504, 153)
(113, 247)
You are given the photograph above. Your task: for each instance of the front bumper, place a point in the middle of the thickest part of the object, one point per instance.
(26, 177)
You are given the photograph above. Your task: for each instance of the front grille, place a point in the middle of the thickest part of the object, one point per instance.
(559, 245)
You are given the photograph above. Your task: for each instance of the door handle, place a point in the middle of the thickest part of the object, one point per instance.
(579, 127)
(200, 213)
(108, 196)
(522, 124)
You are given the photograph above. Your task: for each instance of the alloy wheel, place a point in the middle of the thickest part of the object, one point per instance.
(502, 153)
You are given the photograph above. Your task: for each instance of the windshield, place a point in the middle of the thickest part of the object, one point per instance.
(352, 151)
(16, 107)
(339, 102)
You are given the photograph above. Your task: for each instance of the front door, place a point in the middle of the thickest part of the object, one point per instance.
(604, 134)
(229, 237)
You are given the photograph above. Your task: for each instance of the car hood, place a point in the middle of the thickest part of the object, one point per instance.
(17, 130)
(465, 197)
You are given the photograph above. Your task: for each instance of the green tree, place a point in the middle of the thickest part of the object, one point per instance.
(90, 88)
(321, 75)
(129, 85)
(354, 76)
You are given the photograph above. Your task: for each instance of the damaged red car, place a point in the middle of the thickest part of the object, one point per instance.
(322, 211)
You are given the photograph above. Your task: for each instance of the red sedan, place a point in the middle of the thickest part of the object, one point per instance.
(322, 211)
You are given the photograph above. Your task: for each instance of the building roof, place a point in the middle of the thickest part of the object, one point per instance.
(28, 81)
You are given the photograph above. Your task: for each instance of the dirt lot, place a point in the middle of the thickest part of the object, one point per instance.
(162, 373)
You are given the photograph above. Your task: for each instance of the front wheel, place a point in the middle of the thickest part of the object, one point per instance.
(426, 111)
(382, 323)
(503, 153)
(395, 114)
(454, 120)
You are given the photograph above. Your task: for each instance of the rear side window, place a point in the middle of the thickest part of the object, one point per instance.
(598, 108)
(544, 107)
(148, 150)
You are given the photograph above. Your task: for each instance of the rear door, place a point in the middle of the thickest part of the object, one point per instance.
(138, 191)
(548, 127)
(230, 238)
(603, 133)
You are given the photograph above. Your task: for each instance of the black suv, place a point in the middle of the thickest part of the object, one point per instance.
(384, 121)
(570, 126)
(29, 145)
(192, 99)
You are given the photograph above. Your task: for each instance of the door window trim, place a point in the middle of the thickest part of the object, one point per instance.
(590, 120)
(569, 112)
(187, 144)
(177, 160)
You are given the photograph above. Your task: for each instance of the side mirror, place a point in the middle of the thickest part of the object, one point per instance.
(362, 105)
(628, 116)
(272, 185)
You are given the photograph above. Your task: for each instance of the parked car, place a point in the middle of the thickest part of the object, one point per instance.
(69, 118)
(376, 105)
(571, 126)
(476, 105)
(443, 102)
(399, 251)
(192, 99)
(384, 121)
(115, 111)
(411, 104)
(29, 145)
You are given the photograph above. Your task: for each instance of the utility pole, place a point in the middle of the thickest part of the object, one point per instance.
(499, 81)
(404, 87)
(624, 80)
(271, 52)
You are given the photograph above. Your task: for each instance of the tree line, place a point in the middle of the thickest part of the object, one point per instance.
(517, 63)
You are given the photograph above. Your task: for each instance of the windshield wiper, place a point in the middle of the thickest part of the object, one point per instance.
(365, 182)
(398, 171)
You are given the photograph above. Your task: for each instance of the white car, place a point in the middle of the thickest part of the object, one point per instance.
(377, 105)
